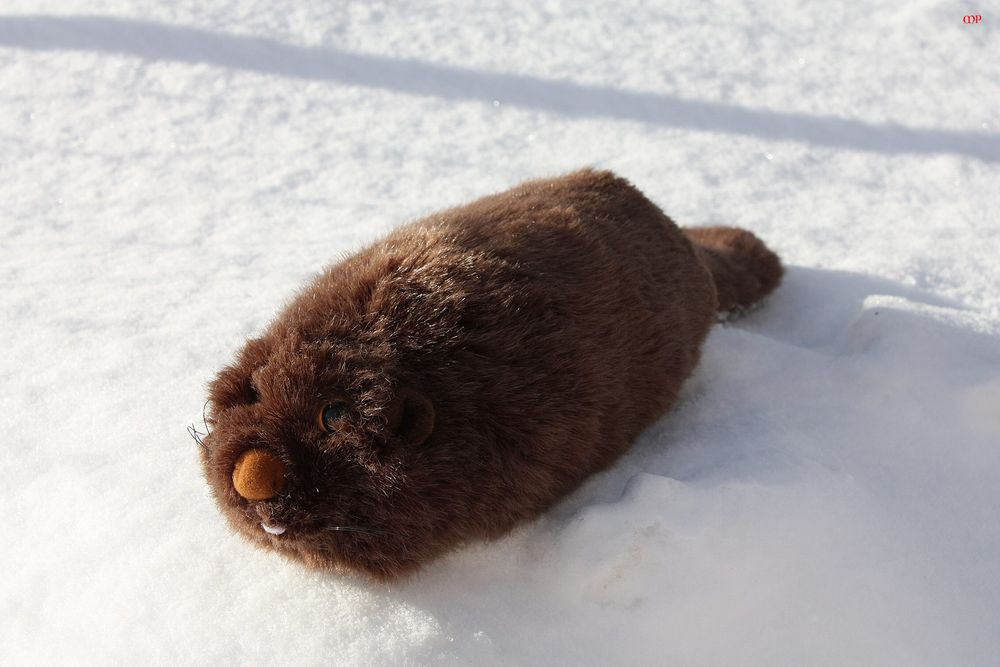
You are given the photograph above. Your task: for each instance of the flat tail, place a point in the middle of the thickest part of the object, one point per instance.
(743, 268)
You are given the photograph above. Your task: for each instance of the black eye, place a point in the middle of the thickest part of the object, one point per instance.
(331, 414)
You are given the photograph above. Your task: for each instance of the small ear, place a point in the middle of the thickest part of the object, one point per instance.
(411, 416)
(231, 387)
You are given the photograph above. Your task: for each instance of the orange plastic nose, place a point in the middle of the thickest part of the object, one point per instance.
(258, 475)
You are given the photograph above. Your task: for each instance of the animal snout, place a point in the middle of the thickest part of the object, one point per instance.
(258, 475)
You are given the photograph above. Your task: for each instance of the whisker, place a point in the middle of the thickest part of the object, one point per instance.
(204, 418)
(198, 436)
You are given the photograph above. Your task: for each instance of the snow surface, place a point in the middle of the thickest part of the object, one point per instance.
(828, 490)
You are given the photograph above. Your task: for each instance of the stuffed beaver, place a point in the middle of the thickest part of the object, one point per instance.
(466, 372)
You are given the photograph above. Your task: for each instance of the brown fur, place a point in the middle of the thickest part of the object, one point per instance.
(492, 357)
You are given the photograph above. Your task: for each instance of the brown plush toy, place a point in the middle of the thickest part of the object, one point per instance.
(464, 373)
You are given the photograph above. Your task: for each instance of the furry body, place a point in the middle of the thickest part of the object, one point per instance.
(545, 327)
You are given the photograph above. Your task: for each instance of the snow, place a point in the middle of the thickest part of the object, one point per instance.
(828, 490)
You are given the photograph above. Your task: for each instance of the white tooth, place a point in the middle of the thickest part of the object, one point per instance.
(273, 530)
